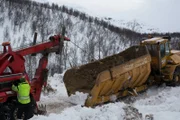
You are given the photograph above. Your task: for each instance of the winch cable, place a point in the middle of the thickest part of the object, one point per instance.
(83, 50)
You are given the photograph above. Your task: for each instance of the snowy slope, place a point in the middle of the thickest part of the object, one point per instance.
(135, 25)
(88, 40)
(122, 23)
(162, 103)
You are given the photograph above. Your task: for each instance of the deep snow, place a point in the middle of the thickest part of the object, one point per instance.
(162, 102)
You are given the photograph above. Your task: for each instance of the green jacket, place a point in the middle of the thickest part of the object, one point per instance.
(23, 91)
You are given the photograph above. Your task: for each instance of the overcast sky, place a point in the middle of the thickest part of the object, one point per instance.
(162, 14)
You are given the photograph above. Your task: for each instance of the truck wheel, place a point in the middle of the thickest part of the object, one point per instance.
(30, 112)
(5, 113)
(9, 110)
(13, 112)
(8, 113)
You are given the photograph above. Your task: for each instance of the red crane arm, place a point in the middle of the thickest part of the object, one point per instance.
(54, 41)
(4, 62)
(11, 77)
(54, 45)
(40, 78)
(12, 63)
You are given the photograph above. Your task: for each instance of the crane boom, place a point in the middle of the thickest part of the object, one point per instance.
(12, 67)
(55, 41)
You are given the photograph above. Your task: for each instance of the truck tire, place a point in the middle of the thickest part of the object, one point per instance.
(5, 113)
(14, 112)
(10, 111)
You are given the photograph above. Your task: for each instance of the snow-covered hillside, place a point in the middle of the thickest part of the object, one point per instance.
(159, 15)
(89, 40)
(160, 102)
(135, 25)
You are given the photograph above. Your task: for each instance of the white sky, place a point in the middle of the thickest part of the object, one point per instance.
(162, 14)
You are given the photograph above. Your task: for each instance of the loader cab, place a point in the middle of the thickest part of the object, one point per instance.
(159, 50)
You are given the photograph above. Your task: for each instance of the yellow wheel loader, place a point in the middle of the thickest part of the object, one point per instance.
(126, 73)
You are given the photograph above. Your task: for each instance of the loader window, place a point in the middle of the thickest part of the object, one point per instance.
(162, 49)
(167, 48)
(152, 50)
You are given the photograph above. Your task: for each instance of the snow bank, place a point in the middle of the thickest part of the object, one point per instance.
(106, 112)
(70, 108)
(163, 103)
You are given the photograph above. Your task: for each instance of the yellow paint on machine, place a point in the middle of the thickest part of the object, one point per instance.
(128, 76)
(115, 76)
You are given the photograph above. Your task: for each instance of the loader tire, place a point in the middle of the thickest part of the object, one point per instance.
(176, 80)
(176, 77)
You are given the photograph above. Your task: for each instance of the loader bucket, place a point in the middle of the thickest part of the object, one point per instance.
(112, 77)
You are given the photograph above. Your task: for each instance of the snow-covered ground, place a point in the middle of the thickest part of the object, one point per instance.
(162, 103)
